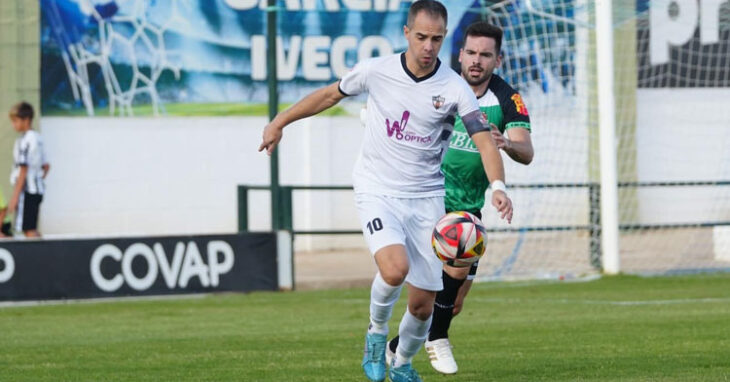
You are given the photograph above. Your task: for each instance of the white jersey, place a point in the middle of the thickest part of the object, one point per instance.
(28, 151)
(408, 126)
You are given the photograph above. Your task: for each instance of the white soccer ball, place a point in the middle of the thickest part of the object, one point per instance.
(459, 239)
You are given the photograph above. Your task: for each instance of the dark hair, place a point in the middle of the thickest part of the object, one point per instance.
(22, 110)
(485, 29)
(432, 7)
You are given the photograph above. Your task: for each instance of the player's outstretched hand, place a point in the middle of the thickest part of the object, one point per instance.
(503, 204)
(271, 137)
(500, 140)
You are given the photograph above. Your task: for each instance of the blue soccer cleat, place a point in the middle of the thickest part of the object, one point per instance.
(373, 359)
(404, 373)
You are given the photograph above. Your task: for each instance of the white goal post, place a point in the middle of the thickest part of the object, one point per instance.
(609, 125)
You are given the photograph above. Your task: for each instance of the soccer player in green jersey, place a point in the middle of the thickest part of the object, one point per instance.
(464, 177)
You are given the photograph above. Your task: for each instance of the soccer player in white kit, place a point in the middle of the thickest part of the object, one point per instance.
(399, 188)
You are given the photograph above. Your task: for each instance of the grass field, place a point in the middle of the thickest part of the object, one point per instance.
(612, 329)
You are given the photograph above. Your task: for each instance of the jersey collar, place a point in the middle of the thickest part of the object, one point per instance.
(413, 76)
(486, 90)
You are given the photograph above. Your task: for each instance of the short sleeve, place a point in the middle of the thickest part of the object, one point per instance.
(515, 112)
(467, 101)
(355, 81)
(24, 151)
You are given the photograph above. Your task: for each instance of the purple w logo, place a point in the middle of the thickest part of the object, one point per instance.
(397, 128)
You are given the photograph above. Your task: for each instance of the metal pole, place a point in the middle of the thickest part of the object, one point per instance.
(242, 208)
(594, 222)
(272, 80)
(607, 134)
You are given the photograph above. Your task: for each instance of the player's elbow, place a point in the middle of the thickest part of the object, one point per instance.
(525, 157)
(528, 158)
(332, 95)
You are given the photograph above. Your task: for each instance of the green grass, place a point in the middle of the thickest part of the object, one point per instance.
(613, 329)
(192, 109)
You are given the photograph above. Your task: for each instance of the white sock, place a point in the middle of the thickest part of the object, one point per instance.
(413, 333)
(382, 298)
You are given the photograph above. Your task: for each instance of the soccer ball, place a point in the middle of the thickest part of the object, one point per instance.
(459, 239)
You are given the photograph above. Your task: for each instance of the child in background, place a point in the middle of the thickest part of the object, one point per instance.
(30, 168)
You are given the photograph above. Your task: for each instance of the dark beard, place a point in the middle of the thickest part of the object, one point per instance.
(477, 82)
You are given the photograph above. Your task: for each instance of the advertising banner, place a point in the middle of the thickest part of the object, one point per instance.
(684, 44)
(200, 57)
(59, 269)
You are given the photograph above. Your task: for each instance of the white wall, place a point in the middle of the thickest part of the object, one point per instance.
(156, 176)
(683, 135)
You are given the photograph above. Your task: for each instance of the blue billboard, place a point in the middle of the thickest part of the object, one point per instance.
(136, 57)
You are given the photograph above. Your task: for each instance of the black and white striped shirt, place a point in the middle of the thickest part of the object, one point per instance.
(28, 151)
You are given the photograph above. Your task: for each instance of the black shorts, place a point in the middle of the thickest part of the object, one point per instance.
(27, 216)
(473, 270)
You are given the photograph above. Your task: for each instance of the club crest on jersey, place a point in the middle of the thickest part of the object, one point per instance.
(438, 101)
(483, 119)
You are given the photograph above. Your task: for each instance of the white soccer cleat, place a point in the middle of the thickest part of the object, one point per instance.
(389, 354)
(442, 359)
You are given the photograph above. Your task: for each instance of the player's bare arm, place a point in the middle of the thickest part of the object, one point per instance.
(518, 144)
(494, 167)
(478, 129)
(316, 102)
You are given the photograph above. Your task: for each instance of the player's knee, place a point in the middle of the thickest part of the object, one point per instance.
(457, 273)
(394, 275)
(392, 264)
(421, 310)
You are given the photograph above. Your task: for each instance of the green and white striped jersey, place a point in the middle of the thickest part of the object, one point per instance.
(465, 179)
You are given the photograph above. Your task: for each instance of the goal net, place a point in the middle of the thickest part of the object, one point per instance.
(671, 134)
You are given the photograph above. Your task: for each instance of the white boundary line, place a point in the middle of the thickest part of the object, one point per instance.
(187, 296)
(611, 302)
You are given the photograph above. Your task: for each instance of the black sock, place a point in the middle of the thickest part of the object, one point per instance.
(443, 309)
(394, 344)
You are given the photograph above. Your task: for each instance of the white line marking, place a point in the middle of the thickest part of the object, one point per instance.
(608, 302)
(16, 304)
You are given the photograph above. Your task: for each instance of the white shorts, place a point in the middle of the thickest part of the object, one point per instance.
(407, 221)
